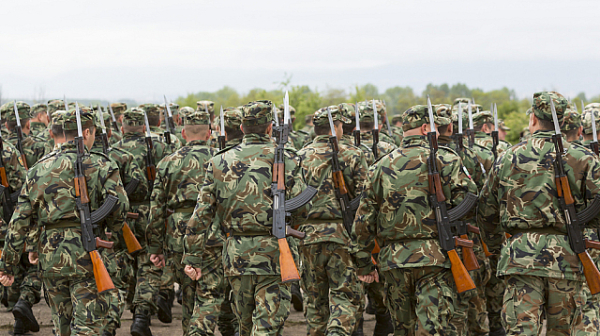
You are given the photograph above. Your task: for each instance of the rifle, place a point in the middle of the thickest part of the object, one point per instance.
(7, 202)
(575, 225)
(470, 130)
(356, 131)
(281, 207)
(168, 121)
(375, 131)
(114, 120)
(594, 143)
(437, 199)
(150, 167)
(221, 138)
(133, 245)
(90, 242)
(459, 136)
(103, 135)
(494, 109)
(19, 131)
(341, 191)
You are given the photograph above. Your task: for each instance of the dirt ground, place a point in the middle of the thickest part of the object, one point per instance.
(294, 326)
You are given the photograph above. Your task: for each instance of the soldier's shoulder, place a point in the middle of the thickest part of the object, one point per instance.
(580, 151)
(445, 150)
(96, 154)
(121, 152)
(225, 150)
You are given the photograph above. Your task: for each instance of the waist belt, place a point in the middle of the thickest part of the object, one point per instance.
(323, 221)
(184, 210)
(251, 233)
(548, 230)
(63, 224)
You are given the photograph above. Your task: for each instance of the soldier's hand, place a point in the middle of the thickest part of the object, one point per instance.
(192, 272)
(158, 260)
(33, 258)
(6, 279)
(369, 278)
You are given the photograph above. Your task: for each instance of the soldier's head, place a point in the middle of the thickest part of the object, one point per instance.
(483, 122)
(118, 110)
(257, 117)
(349, 112)
(587, 120)
(292, 113)
(55, 105)
(540, 115)
(8, 114)
(321, 121)
(232, 117)
(444, 111)
(196, 126)
(153, 113)
(88, 129)
(308, 120)
(397, 121)
(571, 124)
(98, 124)
(502, 129)
(415, 121)
(39, 113)
(206, 106)
(133, 121)
(366, 116)
(56, 130)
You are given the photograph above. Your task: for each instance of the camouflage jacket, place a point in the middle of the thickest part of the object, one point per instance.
(39, 129)
(115, 137)
(177, 133)
(179, 177)
(348, 140)
(475, 169)
(324, 222)
(484, 155)
(236, 198)
(520, 198)
(395, 206)
(159, 132)
(298, 139)
(383, 147)
(48, 199)
(233, 142)
(389, 138)
(485, 140)
(309, 131)
(135, 143)
(15, 173)
(33, 147)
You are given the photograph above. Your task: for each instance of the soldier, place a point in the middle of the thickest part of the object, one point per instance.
(33, 147)
(349, 125)
(209, 106)
(385, 134)
(308, 127)
(177, 127)
(39, 120)
(46, 220)
(175, 192)
(299, 139)
(235, 198)
(587, 123)
(332, 289)
(397, 128)
(154, 119)
(502, 129)
(542, 274)
(420, 291)
(525, 134)
(483, 123)
(367, 123)
(147, 275)
(571, 126)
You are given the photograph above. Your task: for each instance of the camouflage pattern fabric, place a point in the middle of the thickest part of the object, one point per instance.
(485, 140)
(33, 147)
(209, 294)
(383, 148)
(38, 129)
(586, 117)
(27, 285)
(189, 290)
(227, 322)
(15, 173)
(158, 132)
(348, 140)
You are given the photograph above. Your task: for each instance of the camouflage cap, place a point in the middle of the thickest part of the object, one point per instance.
(69, 120)
(366, 113)
(118, 108)
(587, 117)
(461, 100)
(95, 107)
(483, 117)
(72, 105)
(203, 104)
(465, 107)
(571, 121)
(502, 125)
(185, 111)
(418, 115)
(397, 119)
(57, 116)
(349, 112)
(292, 111)
(8, 111)
(257, 113)
(39, 108)
(174, 107)
(105, 116)
(134, 117)
(541, 105)
(322, 119)
(443, 110)
(197, 118)
(55, 105)
(150, 109)
(279, 113)
(232, 116)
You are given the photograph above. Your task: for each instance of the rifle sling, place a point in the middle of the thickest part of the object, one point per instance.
(105, 209)
(299, 201)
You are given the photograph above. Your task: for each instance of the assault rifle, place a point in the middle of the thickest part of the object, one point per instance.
(168, 121)
(575, 221)
(460, 146)
(150, 167)
(89, 240)
(356, 131)
(341, 191)
(594, 143)
(470, 130)
(113, 119)
(281, 207)
(375, 131)
(494, 110)
(221, 138)
(448, 241)
(19, 131)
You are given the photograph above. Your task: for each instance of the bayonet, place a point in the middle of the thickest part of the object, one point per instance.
(19, 132)
(167, 132)
(221, 137)
(331, 122)
(150, 167)
(66, 104)
(357, 129)
(495, 139)
(104, 135)
(459, 135)
(375, 131)
(114, 120)
(594, 143)
(470, 130)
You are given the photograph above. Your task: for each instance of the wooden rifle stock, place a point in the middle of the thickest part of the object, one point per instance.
(151, 172)
(594, 147)
(469, 258)
(289, 272)
(592, 275)
(3, 176)
(104, 244)
(103, 280)
(475, 230)
(592, 244)
(461, 276)
(81, 189)
(340, 184)
(133, 245)
(24, 161)
(278, 176)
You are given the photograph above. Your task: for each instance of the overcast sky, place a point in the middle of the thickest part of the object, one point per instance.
(115, 49)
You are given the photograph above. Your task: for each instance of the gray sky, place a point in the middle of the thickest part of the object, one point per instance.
(114, 49)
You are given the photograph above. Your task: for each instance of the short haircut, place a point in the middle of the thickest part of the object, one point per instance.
(478, 128)
(348, 128)
(132, 129)
(256, 129)
(13, 124)
(71, 134)
(570, 134)
(443, 129)
(546, 125)
(154, 120)
(234, 133)
(57, 130)
(325, 129)
(367, 125)
(197, 130)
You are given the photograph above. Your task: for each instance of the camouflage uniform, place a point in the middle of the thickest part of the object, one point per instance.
(366, 137)
(235, 199)
(147, 275)
(541, 272)
(332, 290)
(485, 139)
(419, 286)
(39, 129)
(297, 138)
(176, 189)
(33, 147)
(46, 220)
(118, 110)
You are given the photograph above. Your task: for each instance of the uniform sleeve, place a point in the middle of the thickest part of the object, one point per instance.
(365, 223)
(488, 218)
(134, 171)
(295, 184)
(112, 185)
(201, 220)
(158, 203)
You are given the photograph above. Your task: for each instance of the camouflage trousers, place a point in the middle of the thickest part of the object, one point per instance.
(228, 324)
(421, 300)
(261, 303)
(147, 285)
(209, 293)
(119, 266)
(76, 305)
(494, 293)
(26, 286)
(187, 286)
(528, 299)
(332, 289)
(376, 293)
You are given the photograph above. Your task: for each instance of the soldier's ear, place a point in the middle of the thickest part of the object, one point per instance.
(424, 129)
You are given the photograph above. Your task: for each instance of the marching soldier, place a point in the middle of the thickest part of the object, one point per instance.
(483, 123)
(367, 124)
(588, 136)
(298, 139)
(154, 119)
(39, 121)
(33, 147)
